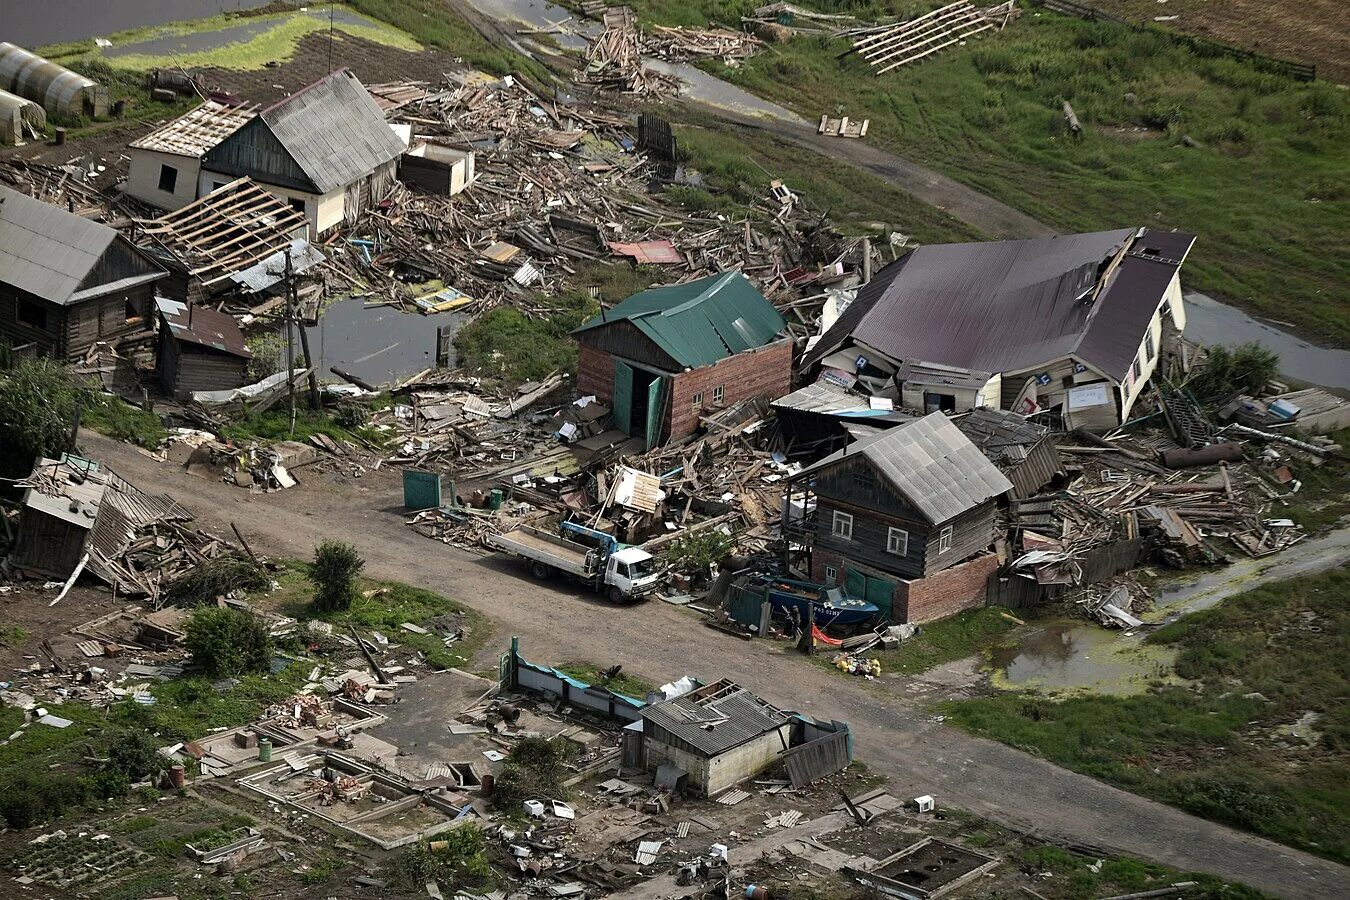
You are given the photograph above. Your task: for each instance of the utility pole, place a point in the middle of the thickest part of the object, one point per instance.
(290, 337)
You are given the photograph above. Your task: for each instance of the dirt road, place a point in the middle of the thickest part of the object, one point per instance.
(895, 735)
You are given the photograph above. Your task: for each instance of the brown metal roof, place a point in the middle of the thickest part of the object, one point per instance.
(1004, 306)
(205, 326)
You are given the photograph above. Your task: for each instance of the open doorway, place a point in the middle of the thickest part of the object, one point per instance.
(639, 402)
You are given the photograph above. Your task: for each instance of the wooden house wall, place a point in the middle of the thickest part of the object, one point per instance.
(49, 341)
(623, 339)
(198, 368)
(972, 531)
(255, 151)
(72, 330)
(47, 545)
(119, 261)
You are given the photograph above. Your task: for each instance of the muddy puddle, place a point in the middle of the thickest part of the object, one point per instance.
(378, 344)
(1082, 657)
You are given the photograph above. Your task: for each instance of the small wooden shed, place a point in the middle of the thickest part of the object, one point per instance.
(200, 349)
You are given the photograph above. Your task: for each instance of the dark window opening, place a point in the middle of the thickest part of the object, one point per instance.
(939, 402)
(297, 204)
(134, 316)
(168, 178)
(32, 314)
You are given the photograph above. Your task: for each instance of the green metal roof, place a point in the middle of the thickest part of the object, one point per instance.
(699, 322)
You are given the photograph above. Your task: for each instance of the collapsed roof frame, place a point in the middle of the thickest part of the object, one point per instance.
(231, 229)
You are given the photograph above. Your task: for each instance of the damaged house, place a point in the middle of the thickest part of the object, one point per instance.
(67, 283)
(166, 164)
(666, 357)
(1073, 323)
(326, 149)
(718, 735)
(200, 349)
(1022, 450)
(904, 519)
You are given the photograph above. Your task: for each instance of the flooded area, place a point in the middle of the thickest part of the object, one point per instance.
(1211, 322)
(35, 24)
(378, 344)
(1082, 657)
(202, 41)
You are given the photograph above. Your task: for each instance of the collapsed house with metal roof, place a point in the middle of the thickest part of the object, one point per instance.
(1073, 323)
(667, 357)
(67, 283)
(60, 91)
(326, 149)
(166, 164)
(903, 518)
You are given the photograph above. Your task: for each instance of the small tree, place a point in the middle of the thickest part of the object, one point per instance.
(225, 642)
(135, 754)
(336, 565)
(695, 553)
(1246, 368)
(38, 402)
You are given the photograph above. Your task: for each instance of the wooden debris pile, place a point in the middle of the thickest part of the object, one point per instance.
(685, 44)
(614, 59)
(70, 186)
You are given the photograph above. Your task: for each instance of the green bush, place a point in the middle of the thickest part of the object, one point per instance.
(122, 421)
(225, 642)
(535, 770)
(461, 862)
(217, 578)
(133, 755)
(695, 553)
(1246, 368)
(336, 565)
(38, 404)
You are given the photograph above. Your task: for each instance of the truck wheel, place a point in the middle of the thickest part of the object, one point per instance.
(616, 596)
(540, 570)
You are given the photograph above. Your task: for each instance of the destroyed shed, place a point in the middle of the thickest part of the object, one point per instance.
(1072, 323)
(326, 150)
(667, 357)
(1023, 450)
(200, 349)
(717, 735)
(903, 519)
(166, 163)
(67, 283)
(437, 168)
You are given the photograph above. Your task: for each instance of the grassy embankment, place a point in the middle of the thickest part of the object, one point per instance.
(1267, 192)
(1258, 739)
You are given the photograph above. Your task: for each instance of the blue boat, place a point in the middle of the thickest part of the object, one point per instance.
(834, 606)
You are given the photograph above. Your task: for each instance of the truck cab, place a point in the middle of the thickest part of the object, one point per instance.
(630, 574)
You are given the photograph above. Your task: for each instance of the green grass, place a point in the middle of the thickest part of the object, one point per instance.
(121, 421)
(1267, 194)
(739, 163)
(385, 612)
(277, 43)
(1074, 880)
(433, 23)
(623, 683)
(274, 425)
(12, 635)
(1213, 748)
(189, 708)
(946, 640)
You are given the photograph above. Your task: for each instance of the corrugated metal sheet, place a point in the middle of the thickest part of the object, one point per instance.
(716, 725)
(45, 250)
(58, 89)
(829, 399)
(15, 112)
(334, 130)
(931, 464)
(699, 322)
(203, 325)
(1012, 305)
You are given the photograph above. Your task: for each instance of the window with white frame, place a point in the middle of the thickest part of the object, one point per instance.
(897, 541)
(831, 574)
(945, 539)
(719, 393)
(1137, 369)
(1149, 350)
(843, 526)
(698, 401)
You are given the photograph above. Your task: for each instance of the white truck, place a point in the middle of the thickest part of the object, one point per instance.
(622, 573)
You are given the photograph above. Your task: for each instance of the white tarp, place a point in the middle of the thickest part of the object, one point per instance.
(255, 391)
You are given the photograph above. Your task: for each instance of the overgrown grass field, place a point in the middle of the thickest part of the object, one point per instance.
(1267, 192)
(1260, 738)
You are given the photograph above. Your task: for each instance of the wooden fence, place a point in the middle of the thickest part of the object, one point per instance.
(1200, 46)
